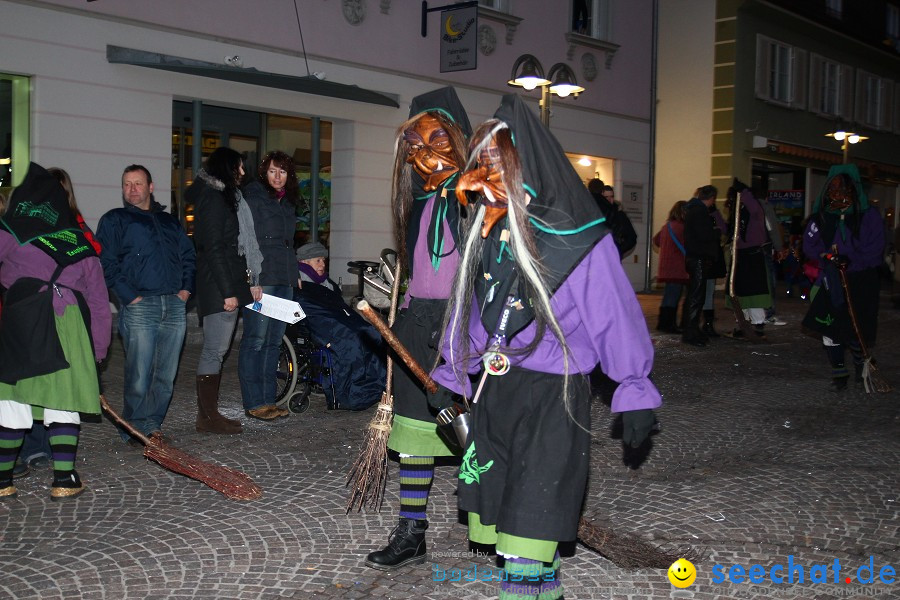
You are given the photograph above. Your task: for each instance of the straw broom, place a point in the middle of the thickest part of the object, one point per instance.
(872, 379)
(368, 475)
(232, 483)
(623, 550)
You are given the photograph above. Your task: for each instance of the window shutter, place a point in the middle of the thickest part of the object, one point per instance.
(896, 109)
(846, 93)
(762, 67)
(798, 79)
(859, 114)
(887, 104)
(815, 83)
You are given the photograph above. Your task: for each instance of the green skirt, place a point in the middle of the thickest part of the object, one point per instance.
(74, 389)
(418, 438)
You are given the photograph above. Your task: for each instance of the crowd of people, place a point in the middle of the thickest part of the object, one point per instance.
(843, 233)
(503, 248)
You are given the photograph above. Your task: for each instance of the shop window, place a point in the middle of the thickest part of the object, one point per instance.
(830, 87)
(591, 18)
(14, 130)
(873, 101)
(780, 73)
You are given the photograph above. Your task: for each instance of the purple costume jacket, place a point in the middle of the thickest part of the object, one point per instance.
(85, 276)
(602, 323)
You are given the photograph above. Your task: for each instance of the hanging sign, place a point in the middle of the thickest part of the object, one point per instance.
(459, 39)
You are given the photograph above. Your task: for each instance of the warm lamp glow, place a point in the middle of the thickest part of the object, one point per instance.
(853, 138)
(584, 161)
(840, 135)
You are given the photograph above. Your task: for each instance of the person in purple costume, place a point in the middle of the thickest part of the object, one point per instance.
(844, 231)
(539, 300)
(430, 151)
(54, 327)
(751, 277)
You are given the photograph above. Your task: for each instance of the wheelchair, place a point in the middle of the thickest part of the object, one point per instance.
(304, 368)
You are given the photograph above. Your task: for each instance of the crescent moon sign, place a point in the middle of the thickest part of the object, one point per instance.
(449, 28)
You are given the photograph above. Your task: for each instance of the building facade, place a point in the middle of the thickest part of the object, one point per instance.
(750, 88)
(94, 86)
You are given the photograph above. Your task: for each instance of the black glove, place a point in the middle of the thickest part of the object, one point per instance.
(841, 260)
(636, 426)
(442, 398)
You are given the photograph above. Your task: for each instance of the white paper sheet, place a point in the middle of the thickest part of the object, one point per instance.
(278, 308)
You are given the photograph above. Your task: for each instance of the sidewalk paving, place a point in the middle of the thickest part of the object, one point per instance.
(757, 461)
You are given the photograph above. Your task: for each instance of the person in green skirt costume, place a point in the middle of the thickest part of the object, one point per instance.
(54, 328)
(429, 153)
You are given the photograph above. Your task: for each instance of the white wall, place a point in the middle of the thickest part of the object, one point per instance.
(684, 105)
(93, 118)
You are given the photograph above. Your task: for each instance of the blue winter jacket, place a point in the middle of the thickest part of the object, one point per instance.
(145, 253)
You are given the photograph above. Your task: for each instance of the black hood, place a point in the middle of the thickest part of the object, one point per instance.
(39, 214)
(443, 100)
(446, 102)
(565, 219)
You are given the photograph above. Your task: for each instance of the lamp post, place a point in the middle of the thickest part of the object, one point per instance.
(528, 73)
(846, 137)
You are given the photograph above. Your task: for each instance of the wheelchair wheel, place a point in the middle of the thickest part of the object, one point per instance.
(286, 372)
(299, 401)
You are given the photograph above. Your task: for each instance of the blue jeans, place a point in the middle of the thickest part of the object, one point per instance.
(258, 358)
(671, 295)
(152, 333)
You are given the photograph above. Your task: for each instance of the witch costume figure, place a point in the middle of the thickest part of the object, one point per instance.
(540, 299)
(844, 232)
(430, 151)
(55, 324)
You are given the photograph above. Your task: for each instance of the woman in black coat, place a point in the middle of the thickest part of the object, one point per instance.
(227, 264)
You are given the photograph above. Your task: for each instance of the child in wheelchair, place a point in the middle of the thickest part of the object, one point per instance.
(348, 348)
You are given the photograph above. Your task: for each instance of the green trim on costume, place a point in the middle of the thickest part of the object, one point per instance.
(513, 545)
(755, 301)
(546, 229)
(479, 532)
(418, 438)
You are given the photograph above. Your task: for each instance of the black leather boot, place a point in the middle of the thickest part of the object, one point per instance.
(406, 546)
(709, 317)
(667, 320)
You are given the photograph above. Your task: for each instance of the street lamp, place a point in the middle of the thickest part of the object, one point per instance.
(846, 138)
(528, 73)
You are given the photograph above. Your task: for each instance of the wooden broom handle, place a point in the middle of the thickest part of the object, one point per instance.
(372, 317)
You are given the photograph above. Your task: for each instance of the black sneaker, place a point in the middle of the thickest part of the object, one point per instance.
(406, 546)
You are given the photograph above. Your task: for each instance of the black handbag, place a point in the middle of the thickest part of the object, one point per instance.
(29, 342)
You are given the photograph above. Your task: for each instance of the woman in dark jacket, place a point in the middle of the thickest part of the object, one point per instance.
(226, 266)
(272, 200)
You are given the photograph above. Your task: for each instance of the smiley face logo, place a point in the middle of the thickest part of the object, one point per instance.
(682, 573)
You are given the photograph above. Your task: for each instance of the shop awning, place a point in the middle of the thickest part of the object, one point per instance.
(306, 85)
(869, 168)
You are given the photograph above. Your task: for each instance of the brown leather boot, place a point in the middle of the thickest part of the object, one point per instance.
(208, 417)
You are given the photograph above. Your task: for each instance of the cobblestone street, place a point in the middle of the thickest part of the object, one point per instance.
(758, 463)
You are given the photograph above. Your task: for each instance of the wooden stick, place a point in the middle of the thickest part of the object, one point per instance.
(372, 317)
(735, 302)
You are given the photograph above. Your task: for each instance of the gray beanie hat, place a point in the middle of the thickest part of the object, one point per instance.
(311, 250)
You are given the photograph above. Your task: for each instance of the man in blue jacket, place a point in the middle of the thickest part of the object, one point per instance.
(149, 264)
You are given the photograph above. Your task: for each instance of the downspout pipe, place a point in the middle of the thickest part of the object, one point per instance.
(651, 186)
